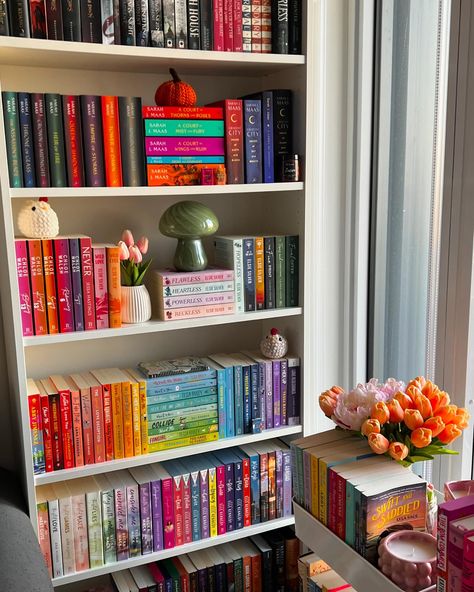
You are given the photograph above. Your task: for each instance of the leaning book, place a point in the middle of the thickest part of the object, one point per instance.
(173, 367)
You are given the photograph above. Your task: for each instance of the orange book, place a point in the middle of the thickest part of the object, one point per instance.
(137, 431)
(143, 411)
(38, 293)
(113, 286)
(112, 412)
(259, 273)
(110, 125)
(50, 286)
(117, 376)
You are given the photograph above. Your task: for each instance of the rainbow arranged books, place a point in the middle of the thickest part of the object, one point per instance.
(92, 521)
(67, 284)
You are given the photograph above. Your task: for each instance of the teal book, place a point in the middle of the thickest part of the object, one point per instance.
(184, 127)
(186, 403)
(292, 270)
(221, 395)
(56, 145)
(12, 137)
(181, 395)
(280, 271)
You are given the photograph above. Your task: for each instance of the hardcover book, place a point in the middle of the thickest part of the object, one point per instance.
(111, 130)
(19, 22)
(71, 20)
(253, 140)
(218, 29)
(234, 141)
(127, 22)
(88, 293)
(266, 26)
(256, 26)
(54, 19)
(12, 138)
(184, 127)
(64, 284)
(4, 25)
(26, 136)
(157, 37)
(73, 140)
(91, 21)
(40, 141)
(100, 286)
(50, 286)
(248, 246)
(142, 23)
(47, 432)
(282, 128)
(93, 141)
(131, 141)
(38, 292)
(57, 156)
(181, 24)
(107, 22)
(295, 19)
(183, 174)
(247, 25)
(76, 277)
(280, 32)
(169, 23)
(228, 25)
(194, 25)
(36, 428)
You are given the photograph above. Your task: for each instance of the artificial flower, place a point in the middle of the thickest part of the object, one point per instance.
(353, 407)
(391, 386)
(435, 424)
(413, 419)
(142, 244)
(380, 411)
(327, 404)
(449, 434)
(421, 437)
(370, 426)
(395, 410)
(419, 382)
(462, 418)
(413, 391)
(404, 400)
(430, 389)
(135, 254)
(423, 405)
(447, 413)
(378, 443)
(398, 451)
(123, 253)
(127, 238)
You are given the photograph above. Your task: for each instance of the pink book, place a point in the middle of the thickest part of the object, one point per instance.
(43, 533)
(169, 534)
(198, 300)
(212, 310)
(79, 517)
(169, 277)
(47, 437)
(218, 27)
(24, 288)
(100, 284)
(86, 409)
(178, 509)
(228, 25)
(88, 294)
(221, 504)
(237, 22)
(98, 422)
(457, 531)
(186, 146)
(63, 280)
(187, 512)
(468, 564)
(77, 425)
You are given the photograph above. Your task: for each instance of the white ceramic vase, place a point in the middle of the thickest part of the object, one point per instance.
(136, 304)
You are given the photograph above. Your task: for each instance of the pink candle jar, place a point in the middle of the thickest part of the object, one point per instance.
(408, 558)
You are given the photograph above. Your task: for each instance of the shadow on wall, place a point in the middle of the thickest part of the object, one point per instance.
(7, 459)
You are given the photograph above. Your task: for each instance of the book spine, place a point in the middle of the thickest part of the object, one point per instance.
(50, 285)
(259, 273)
(67, 535)
(94, 528)
(266, 26)
(47, 436)
(26, 136)
(19, 22)
(221, 499)
(169, 23)
(271, 486)
(212, 502)
(187, 512)
(246, 491)
(234, 142)
(309, 477)
(108, 526)
(238, 575)
(239, 495)
(291, 270)
(143, 416)
(189, 441)
(36, 431)
(4, 25)
(267, 137)
(142, 23)
(256, 26)
(195, 506)
(157, 36)
(247, 25)
(253, 140)
(269, 395)
(127, 418)
(107, 22)
(261, 388)
(77, 429)
(121, 524)
(197, 311)
(91, 21)
(199, 300)
(279, 483)
(23, 276)
(98, 423)
(64, 286)
(221, 402)
(248, 245)
(194, 25)
(73, 140)
(93, 141)
(181, 24)
(113, 287)
(284, 391)
(295, 19)
(276, 394)
(229, 402)
(87, 426)
(135, 393)
(293, 391)
(204, 488)
(57, 157)
(111, 135)
(196, 277)
(228, 25)
(40, 140)
(66, 428)
(282, 129)
(88, 294)
(287, 484)
(81, 544)
(117, 23)
(12, 138)
(127, 22)
(54, 18)
(280, 27)
(207, 24)
(146, 522)
(117, 419)
(131, 141)
(76, 280)
(236, 21)
(38, 294)
(44, 535)
(71, 20)
(269, 272)
(133, 520)
(169, 525)
(340, 505)
(254, 489)
(467, 582)
(280, 272)
(218, 27)
(238, 401)
(263, 487)
(179, 390)
(157, 515)
(100, 287)
(247, 399)
(184, 146)
(108, 423)
(154, 438)
(180, 127)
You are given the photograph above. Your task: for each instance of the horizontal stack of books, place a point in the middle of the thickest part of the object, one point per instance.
(262, 563)
(58, 140)
(342, 482)
(67, 284)
(184, 143)
(248, 25)
(266, 270)
(125, 514)
(185, 295)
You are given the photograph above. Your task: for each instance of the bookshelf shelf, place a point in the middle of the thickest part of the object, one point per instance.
(42, 53)
(105, 192)
(155, 326)
(126, 463)
(188, 548)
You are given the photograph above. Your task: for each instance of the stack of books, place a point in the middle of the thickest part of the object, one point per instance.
(186, 295)
(58, 140)
(310, 565)
(355, 493)
(181, 142)
(262, 563)
(67, 284)
(266, 270)
(91, 521)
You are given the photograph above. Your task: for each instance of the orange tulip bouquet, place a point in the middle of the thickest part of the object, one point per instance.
(411, 423)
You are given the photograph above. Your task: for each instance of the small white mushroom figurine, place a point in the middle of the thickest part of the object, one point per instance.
(37, 219)
(274, 345)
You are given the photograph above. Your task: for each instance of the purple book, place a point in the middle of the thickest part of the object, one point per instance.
(146, 518)
(93, 141)
(284, 391)
(121, 525)
(187, 146)
(293, 391)
(276, 394)
(40, 140)
(268, 395)
(133, 518)
(279, 482)
(76, 278)
(287, 494)
(157, 515)
(205, 529)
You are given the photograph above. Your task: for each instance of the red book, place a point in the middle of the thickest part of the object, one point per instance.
(237, 22)
(256, 26)
(73, 140)
(266, 26)
(72, 397)
(183, 575)
(107, 419)
(100, 287)
(234, 140)
(228, 25)
(86, 414)
(178, 494)
(50, 286)
(110, 124)
(55, 423)
(36, 427)
(88, 294)
(63, 280)
(155, 112)
(47, 432)
(38, 19)
(65, 412)
(218, 27)
(246, 491)
(38, 294)
(256, 564)
(24, 289)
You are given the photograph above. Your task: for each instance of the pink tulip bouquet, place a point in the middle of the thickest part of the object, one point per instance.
(132, 265)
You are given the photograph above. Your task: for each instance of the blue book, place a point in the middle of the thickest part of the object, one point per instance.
(180, 395)
(26, 135)
(185, 159)
(185, 378)
(248, 245)
(201, 463)
(174, 405)
(76, 280)
(238, 401)
(193, 467)
(267, 134)
(261, 385)
(254, 482)
(233, 394)
(221, 395)
(227, 459)
(253, 140)
(180, 388)
(257, 397)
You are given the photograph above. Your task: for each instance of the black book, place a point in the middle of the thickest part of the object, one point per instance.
(282, 129)
(277, 542)
(71, 20)
(91, 21)
(267, 562)
(127, 22)
(280, 26)
(18, 15)
(269, 274)
(4, 26)
(93, 143)
(206, 16)
(57, 150)
(194, 25)
(294, 26)
(131, 141)
(26, 136)
(157, 37)
(117, 32)
(54, 20)
(142, 23)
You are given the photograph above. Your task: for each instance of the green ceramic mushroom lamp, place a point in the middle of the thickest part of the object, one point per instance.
(189, 222)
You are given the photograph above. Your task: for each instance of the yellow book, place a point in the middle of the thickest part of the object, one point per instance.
(127, 415)
(137, 430)
(143, 414)
(213, 501)
(190, 441)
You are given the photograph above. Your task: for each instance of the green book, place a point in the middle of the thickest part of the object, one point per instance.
(184, 127)
(12, 137)
(173, 573)
(280, 273)
(239, 575)
(163, 427)
(57, 157)
(292, 270)
(156, 438)
(108, 518)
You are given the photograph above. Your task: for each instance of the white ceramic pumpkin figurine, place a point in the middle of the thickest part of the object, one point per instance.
(37, 219)
(274, 345)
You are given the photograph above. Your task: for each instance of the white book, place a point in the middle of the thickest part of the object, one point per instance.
(94, 523)
(108, 518)
(66, 527)
(55, 534)
(228, 253)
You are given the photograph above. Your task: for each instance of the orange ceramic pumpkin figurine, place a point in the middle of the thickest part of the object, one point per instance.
(175, 93)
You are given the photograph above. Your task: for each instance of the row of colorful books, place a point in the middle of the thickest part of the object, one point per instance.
(58, 140)
(266, 270)
(67, 284)
(342, 482)
(221, 25)
(88, 522)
